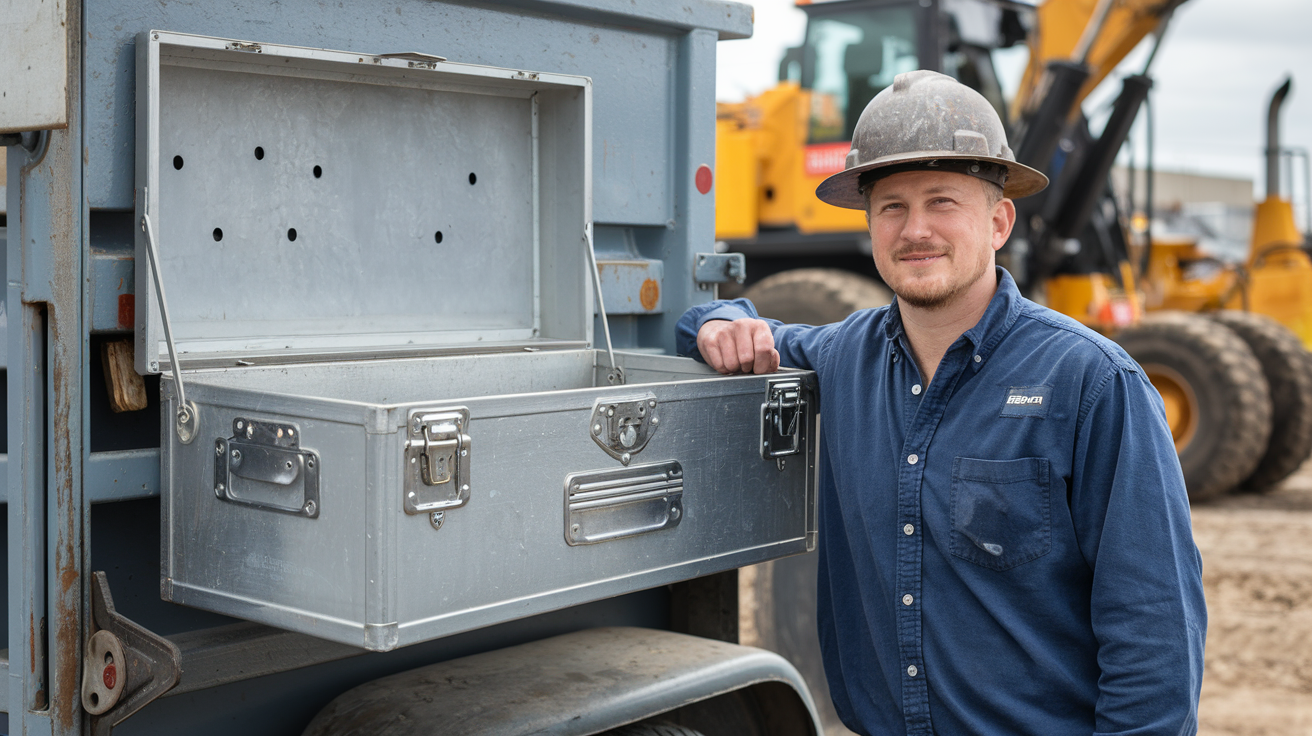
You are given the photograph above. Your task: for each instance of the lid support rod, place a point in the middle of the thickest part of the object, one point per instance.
(187, 414)
(616, 373)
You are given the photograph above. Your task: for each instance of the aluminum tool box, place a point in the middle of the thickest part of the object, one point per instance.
(377, 278)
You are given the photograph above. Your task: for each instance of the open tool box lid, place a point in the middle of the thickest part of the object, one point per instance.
(310, 204)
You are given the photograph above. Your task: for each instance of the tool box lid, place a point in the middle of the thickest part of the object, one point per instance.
(313, 204)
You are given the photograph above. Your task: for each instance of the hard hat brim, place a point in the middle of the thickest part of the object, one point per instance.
(842, 190)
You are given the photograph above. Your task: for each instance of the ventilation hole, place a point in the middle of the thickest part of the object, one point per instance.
(109, 658)
(177, 162)
(291, 234)
(218, 235)
(472, 178)
(318, 171)
(259, 153)
(95, 699)
(769, 193)
(437, 236)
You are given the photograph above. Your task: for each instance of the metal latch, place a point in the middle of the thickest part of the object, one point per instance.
(263, 465)
(437, 461)
(782, 419)
(719, 268)
(623, 426)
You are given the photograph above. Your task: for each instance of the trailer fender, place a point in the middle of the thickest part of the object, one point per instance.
(582, 683)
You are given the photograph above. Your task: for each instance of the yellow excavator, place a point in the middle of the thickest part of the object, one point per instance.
(1209, 336)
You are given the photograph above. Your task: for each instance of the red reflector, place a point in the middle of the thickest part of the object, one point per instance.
(704, 178)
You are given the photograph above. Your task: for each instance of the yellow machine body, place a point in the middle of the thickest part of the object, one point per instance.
(1275, 281)
(768, 174)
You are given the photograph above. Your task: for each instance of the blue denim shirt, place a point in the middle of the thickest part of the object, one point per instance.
(1008, 549)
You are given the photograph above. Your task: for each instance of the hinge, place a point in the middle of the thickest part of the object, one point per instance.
(125, 666)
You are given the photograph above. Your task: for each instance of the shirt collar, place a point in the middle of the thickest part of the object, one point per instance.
(984, 337)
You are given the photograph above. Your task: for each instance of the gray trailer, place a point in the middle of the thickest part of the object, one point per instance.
(343, 395)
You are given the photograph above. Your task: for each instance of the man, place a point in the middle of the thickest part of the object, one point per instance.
(1005, 545)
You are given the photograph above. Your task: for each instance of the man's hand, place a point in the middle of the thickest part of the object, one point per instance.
(741, 346)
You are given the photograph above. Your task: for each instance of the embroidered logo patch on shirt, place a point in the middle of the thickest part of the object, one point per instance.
(1027, 401)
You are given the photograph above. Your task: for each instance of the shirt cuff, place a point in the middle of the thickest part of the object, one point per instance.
(728, 312)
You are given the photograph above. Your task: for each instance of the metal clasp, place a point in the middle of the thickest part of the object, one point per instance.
(782, 419)
(623, 426)
(437, 460)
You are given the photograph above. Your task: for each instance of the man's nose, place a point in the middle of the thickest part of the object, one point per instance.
(917, 228)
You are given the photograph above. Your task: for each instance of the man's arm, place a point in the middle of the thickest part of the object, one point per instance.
(1131, 514)
(730, 337)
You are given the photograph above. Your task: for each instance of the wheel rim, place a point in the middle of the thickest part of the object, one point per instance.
(1180, 400)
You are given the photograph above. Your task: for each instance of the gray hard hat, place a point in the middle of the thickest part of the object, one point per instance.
(928, 121)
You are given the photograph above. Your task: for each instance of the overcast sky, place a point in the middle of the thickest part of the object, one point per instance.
(1213, 78)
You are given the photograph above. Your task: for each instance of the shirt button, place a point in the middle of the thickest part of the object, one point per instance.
(978, 359)
(908, 530)
(912, 459)
(907, 599)
(912, 670)
(916, 389)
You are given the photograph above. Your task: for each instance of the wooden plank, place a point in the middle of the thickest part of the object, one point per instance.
(127, 391)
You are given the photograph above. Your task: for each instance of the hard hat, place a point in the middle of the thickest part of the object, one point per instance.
(928, 121)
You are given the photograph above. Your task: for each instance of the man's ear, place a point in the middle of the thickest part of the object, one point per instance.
(1004, 219)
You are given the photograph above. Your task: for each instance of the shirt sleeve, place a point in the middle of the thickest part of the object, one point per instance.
(1131, 514)
(799, 346)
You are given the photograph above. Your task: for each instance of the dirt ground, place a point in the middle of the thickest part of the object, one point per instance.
(1257, 575)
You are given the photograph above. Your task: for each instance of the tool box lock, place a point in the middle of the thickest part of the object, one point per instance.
(781, 423)
(437, 460)
(623, 426)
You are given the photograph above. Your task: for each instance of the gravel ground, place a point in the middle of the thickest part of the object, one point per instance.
(1257, 575)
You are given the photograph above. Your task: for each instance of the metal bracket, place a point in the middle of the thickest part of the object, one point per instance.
(782, 420)
(437, 461)
(143, 666)
(719, 268)
(622, 426)
(268, 454)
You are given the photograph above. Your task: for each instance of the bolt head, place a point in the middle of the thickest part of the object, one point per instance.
(311, 507)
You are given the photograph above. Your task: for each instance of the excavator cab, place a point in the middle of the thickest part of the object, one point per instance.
(852, 49)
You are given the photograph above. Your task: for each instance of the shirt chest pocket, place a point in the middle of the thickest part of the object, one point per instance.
(1001, 514)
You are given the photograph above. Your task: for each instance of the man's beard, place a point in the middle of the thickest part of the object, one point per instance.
(939, 295)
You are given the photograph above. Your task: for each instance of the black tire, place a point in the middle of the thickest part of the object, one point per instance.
(1285, 365)
(816, 296)
(1212, 373)
(652, 728)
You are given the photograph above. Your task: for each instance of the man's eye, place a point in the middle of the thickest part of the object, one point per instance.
(892, 206)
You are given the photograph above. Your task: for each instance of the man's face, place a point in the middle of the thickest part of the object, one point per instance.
(934, 233)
